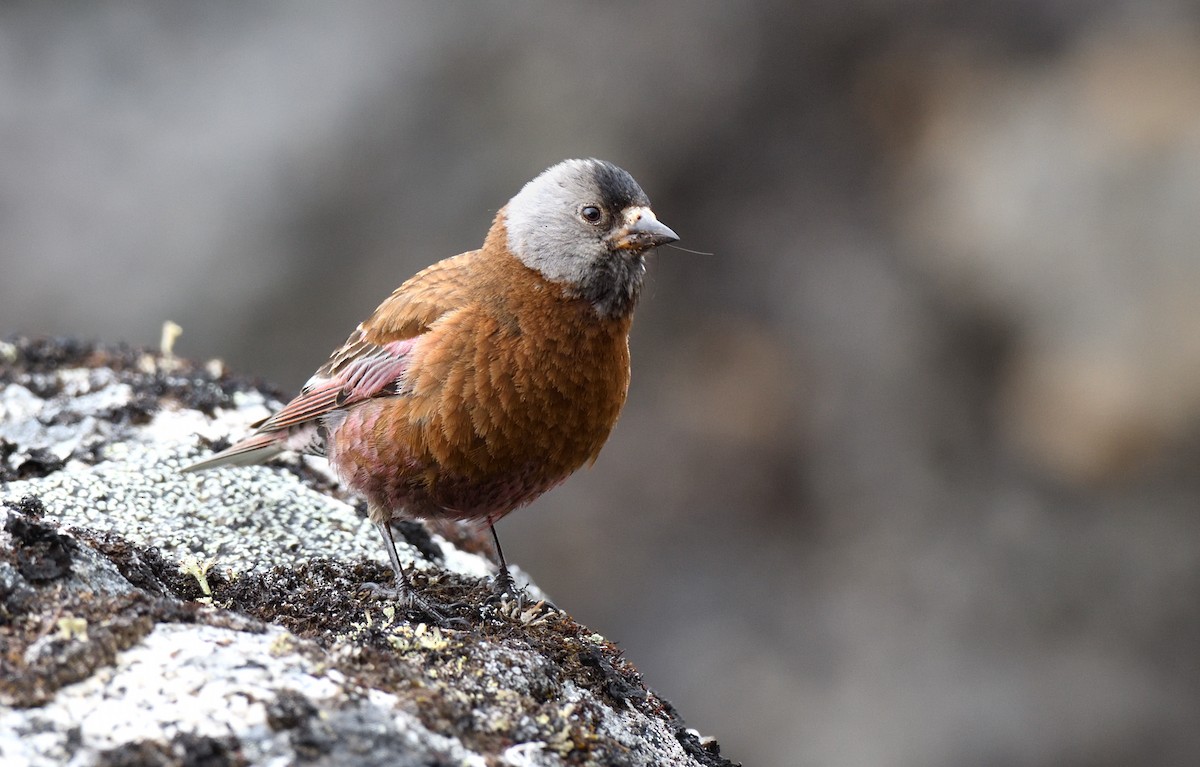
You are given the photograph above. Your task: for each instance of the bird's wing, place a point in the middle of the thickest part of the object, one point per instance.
(372, 371)
(373, 360)
(425, 298)
(372, 363)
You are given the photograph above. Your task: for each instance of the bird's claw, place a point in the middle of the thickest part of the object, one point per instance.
(503, 585)
(416, 604)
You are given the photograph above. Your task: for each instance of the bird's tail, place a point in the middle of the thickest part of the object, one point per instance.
(256, 449)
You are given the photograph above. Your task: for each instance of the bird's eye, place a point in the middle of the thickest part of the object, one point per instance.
(591, 214)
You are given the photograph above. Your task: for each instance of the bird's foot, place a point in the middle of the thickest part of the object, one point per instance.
(503, 582)
(404, 591)
(505, 589)
(416, 604)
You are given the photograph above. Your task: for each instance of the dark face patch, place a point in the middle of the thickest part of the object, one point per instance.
(618, 190)
(613, 283)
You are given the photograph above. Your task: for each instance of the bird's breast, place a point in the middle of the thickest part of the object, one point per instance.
(502, 401)
(499, 388)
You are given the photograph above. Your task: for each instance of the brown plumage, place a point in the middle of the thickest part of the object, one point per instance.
(489, 377)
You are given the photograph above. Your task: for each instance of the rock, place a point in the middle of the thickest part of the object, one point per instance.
(149, 617)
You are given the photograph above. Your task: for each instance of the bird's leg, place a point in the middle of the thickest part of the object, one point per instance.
(404, 591)
(503, 583)
(404, 586)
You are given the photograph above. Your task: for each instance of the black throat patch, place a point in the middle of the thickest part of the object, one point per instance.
(614, 284)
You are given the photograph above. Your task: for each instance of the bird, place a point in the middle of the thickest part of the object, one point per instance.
(489, 377)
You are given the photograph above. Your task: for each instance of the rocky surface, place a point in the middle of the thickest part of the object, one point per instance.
(153, 618)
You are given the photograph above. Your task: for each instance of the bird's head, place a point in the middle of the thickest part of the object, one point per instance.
(587, 225)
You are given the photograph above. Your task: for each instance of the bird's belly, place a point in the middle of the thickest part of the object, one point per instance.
(474, 457)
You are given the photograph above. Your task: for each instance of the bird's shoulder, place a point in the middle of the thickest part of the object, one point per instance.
(408, 312)
(424, 298)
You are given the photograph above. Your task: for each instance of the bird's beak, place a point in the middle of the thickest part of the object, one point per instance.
(642, 231)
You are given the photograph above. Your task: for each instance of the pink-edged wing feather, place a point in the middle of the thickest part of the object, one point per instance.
(372, 363)
(354, 376)
(372, 371)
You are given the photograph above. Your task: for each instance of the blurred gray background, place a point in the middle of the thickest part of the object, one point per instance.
(910, 469)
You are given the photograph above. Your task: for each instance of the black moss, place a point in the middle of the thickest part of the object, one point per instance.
(38, 360)
(43, 554)
(29, 464)
(706, 752)
(289, 710)
(184, 750)
(15, 594)
(144, 566)
(29, 506)
(619, 685)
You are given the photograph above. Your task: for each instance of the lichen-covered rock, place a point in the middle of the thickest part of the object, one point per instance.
(148, 617)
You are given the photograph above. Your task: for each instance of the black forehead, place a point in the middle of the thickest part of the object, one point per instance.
(617, 188)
